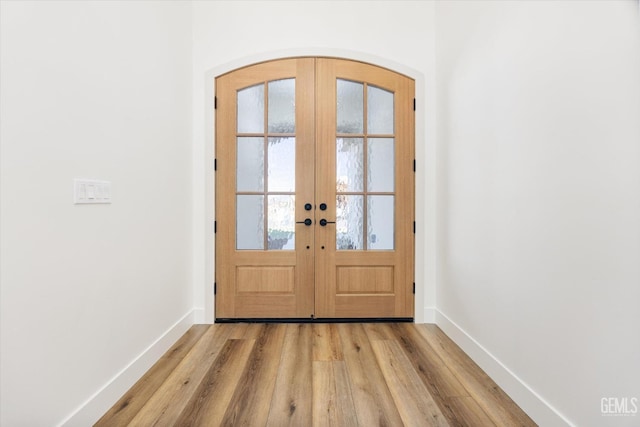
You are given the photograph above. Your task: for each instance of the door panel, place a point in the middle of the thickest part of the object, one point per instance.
(364, 175)
(265, 176)
(330, 142)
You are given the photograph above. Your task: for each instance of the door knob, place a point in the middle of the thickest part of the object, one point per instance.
(323, 206)
(324, 222)
(306, 222)
(308, 206)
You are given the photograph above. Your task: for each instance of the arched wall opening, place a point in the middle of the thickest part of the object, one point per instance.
(204, 184)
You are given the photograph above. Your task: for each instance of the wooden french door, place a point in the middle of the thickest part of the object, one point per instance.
(314, 191)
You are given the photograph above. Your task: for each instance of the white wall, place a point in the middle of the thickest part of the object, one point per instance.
(95, 90)
(230, 34)
(539, 198)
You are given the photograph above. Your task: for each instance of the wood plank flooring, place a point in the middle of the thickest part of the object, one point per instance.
(346, 374)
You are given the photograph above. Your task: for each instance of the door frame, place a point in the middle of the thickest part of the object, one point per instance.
(425, 188)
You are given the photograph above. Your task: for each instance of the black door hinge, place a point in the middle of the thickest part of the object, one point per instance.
(414, 165)
(414, 227)
(414, 104)
(215, 288)
(414, 288)
(215, 165)
(215, 103)
(215, 227)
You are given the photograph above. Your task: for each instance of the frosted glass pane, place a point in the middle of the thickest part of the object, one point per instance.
(282, 164)
(349, 164)
(282, 106)
(380, 164)
(350, 108)
(379, 111)
(250, 164)
(349, 222)
(251, 109)
(249, 222)
(380, 222)
(281, 222)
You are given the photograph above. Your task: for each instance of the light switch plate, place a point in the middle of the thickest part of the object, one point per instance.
(89, 191)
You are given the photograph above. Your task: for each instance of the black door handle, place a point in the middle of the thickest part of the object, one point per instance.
(308, 206)
(306, 222)
(323, 206)
(324, 222)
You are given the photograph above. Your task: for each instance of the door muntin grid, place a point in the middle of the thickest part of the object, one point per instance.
(365, 167)
(265, 166)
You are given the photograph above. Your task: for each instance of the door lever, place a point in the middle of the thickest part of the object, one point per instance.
(324, 222)
(306, 222)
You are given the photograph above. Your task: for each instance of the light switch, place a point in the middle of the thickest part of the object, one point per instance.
(86, 191)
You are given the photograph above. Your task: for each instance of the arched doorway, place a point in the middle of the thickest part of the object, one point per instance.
(314, 191)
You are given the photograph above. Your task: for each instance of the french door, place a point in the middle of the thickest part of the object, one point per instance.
(314, 191)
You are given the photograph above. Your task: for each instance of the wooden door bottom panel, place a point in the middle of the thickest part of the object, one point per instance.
(366, 306)
(265, 280)
(267, 306)
(365, 280)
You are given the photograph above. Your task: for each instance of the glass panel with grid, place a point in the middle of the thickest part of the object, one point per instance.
(265, 166)
(365, 167)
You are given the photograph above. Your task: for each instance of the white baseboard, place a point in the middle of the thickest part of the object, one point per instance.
(531, 402)
(95, 406)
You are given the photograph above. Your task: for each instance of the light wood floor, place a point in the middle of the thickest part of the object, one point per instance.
(350, 374)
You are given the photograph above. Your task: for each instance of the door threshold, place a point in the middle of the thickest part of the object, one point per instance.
(325, 320)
